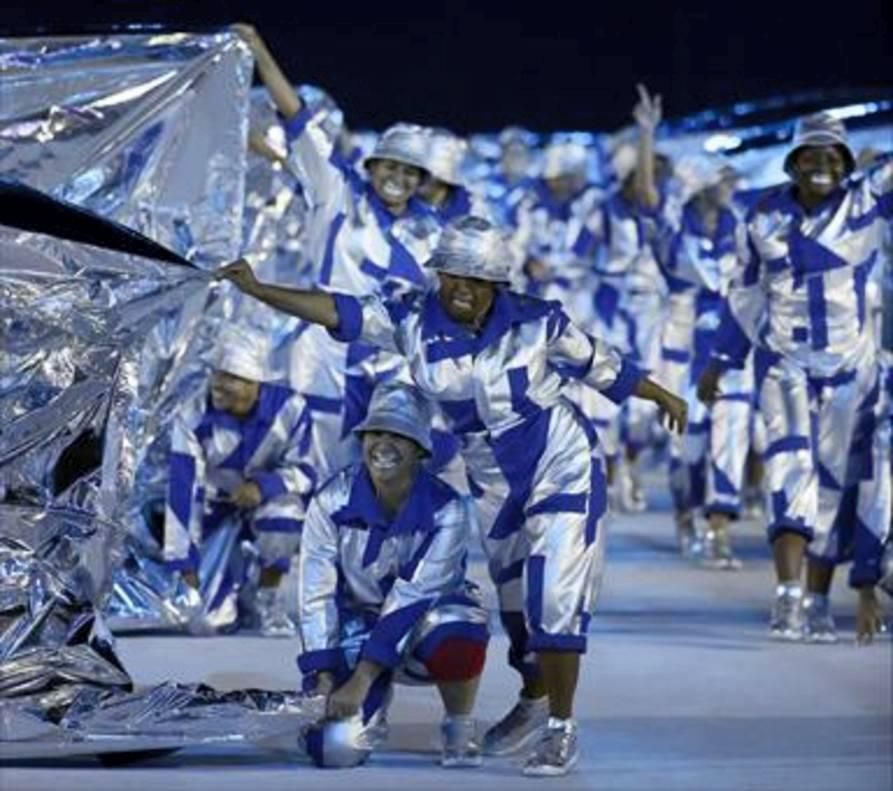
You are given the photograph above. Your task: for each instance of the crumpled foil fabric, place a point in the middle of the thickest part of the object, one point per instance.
(149, 131)
(148, 721)
(106, 144)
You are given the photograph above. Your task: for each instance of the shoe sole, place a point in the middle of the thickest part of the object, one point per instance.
(786, 636)
(550, 771)
(515, 748)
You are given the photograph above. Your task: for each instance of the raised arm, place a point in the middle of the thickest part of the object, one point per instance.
(648, 114)
(287, 101)
(316, 307)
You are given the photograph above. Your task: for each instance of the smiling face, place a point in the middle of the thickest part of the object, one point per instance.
(394, 182)
(233, 394)
(818, 171)
(392, 459)
(466, 300)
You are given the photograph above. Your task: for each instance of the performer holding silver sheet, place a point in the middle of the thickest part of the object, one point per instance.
(496, 363)
(236, 468)
(802, 303)
(383, 594)
(362, 236)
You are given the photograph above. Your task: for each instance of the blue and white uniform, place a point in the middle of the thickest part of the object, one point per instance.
(212, 453)
(532, 458)
(707, 464)
(802, 304)
(390, 590)
(353, 244)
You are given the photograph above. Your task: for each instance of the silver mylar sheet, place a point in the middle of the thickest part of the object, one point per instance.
(99, 342)
(148, 130)
(160, 718)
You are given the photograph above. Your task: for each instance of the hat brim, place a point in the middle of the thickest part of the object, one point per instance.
(403, 160)
(374, 424)
(434, 265)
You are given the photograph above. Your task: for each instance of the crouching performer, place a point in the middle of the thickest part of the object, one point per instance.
(497, 363)
(236, 472)
(383, 594)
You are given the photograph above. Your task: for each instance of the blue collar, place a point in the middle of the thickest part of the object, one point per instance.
(508, 310)
(363, 509)
(786, 201)
(458, 204)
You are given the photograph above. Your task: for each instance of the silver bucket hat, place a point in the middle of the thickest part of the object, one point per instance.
(445, 155)
(565, 159)
(244, 351)
(399, 409)
(472, 247)
(820, 129)
(406, 143)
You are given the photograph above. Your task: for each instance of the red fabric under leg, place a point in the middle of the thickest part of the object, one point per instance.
(457, 659)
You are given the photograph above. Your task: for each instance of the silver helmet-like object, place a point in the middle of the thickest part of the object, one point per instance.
(820, 129)
(446, 154)
(400, 409)
(565, 159)
(472, 247)
(406, 143)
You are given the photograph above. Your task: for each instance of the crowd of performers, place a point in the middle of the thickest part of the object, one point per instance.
(490, 358)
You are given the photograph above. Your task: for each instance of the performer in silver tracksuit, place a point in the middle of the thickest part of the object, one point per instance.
(496, 363)
(803, 304)
(383, 594)
(699, 256)
(237, 468)
(362, 235)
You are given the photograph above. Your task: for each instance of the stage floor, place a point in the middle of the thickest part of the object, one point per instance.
(681, 689)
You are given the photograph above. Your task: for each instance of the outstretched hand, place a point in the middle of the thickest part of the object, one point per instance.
(675, 411)
(240, 274)
(648, 111)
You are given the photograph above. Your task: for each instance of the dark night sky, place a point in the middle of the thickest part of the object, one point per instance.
(556, 65)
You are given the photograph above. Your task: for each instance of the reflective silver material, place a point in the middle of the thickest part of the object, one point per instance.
(103, 333)
(160, 718)
(564, 159)
(406, 143)
(472, 247)
(819, 129)
(54, 563)
(445, 156)
(400, 409)
(243, 351)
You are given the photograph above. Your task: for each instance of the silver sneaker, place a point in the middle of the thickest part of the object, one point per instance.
(518, 728)
(818, 624)
(460, 744)
(556, 753)
(274, 620)
(786, 620)
(687, 538)
(717, 552)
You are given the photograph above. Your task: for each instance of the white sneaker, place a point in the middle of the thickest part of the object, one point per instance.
(274, 620)
(786, 619)
(818, 624)
(557, 752)
(518, 728)
(460, 744)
